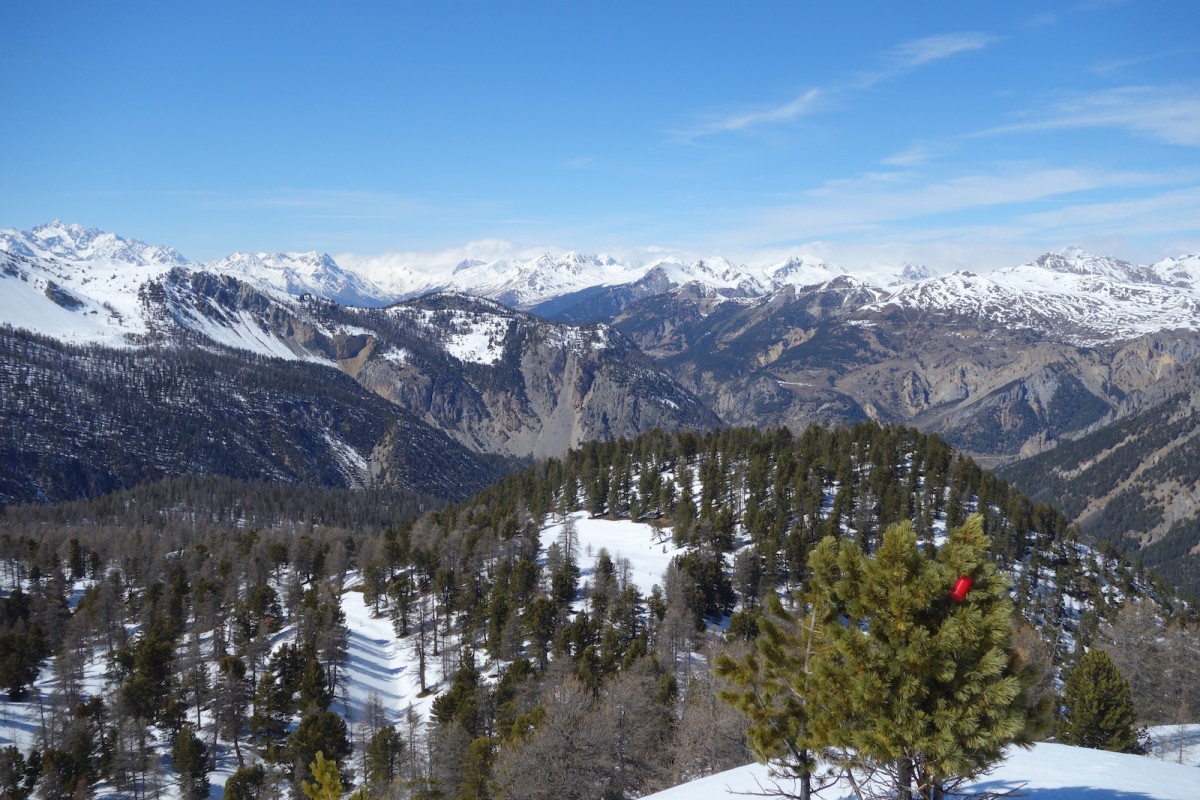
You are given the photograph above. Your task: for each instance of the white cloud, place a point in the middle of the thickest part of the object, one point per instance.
(581, 162)
(744, 120)
(917, 153)
(1169, 115)
(934, 48)
(904, 57)
(872, 200)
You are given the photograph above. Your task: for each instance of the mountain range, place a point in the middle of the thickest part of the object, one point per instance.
(515, 359)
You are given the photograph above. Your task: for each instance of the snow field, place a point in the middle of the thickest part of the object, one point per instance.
(1045, 772)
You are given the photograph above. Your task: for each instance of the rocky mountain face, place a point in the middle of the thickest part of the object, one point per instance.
(1136, 482)
(837, 353)
(194, 372)
(1040, 358)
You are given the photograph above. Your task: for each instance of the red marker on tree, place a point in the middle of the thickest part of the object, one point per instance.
(961, 587)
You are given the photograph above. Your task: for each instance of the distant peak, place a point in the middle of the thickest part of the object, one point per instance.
(74, 242)
(915, 272)
(1077, 261)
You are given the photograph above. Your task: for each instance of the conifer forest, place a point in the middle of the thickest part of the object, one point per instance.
(153, 637)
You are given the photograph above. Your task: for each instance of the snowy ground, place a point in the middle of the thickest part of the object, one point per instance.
(1047, 772)
(380, 664)
(648, 551)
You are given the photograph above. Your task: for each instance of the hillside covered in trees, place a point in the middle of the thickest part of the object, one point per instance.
(153, 639)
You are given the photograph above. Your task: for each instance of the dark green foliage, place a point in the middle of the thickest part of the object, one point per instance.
(177, 588)
(17, 775)
(248, 783)
(190, 759)
(881, 664)
(1098, 707)
(384, 753)
(320, 732)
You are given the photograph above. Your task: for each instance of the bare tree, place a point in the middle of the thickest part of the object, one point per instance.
(710, 736)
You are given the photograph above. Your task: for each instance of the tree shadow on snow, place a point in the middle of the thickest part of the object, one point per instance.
(1017, 790)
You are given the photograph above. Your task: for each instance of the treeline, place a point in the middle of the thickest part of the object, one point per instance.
(220, 504)
(216, 622)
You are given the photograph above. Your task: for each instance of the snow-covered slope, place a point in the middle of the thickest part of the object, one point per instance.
(1080, 298)
(297, 274)
(1049, 771)
(83, 284)
(79, 302)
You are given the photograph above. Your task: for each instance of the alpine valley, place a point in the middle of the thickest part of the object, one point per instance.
(273, 521)
(290, 367)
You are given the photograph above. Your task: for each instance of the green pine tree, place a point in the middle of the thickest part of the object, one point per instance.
(190, 758)
(882, 669)
(327, 781)
(772, 691)
(911, 679)
(1098, 701)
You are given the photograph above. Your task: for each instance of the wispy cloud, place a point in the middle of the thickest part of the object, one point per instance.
(1168, 115)
(934, 48)
(876, 204)
(917, 153)
(746, 119)
(581, 162)
(903, 58)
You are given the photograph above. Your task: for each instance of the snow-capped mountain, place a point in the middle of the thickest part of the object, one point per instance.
(75, 243)
(521, 284)
(83, 284)
(298, 274)
(1074, 296)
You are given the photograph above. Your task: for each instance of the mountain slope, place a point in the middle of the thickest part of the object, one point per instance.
(834, 352)
(1135, 483)
(81, 422)
(496, 380)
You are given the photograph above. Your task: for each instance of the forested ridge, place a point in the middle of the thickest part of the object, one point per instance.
(85, 421)
(159, 636)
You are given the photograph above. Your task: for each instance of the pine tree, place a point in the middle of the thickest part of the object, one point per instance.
(883, 670)
(1099, 707)
(327, 781)
(190, 758)
(772, 691)
(912, 680)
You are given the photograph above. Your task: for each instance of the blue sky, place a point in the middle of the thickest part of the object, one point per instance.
(956, 134)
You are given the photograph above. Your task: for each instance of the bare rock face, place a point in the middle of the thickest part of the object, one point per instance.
(535, 389)
(826, 354)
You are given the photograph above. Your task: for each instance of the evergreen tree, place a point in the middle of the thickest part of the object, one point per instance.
(1099, 707)
(888, 672)
(907, 677)
(247, 783)
(322, 732)
(190, 758)
(772, 691)
(327, 781)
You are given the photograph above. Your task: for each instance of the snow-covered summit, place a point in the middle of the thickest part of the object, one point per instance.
(523, 283)
(302, 273)
(1074, 261)
(802, 271)
(1075, 295)
(75, 243)
(1082, 298)
(1183, 272)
